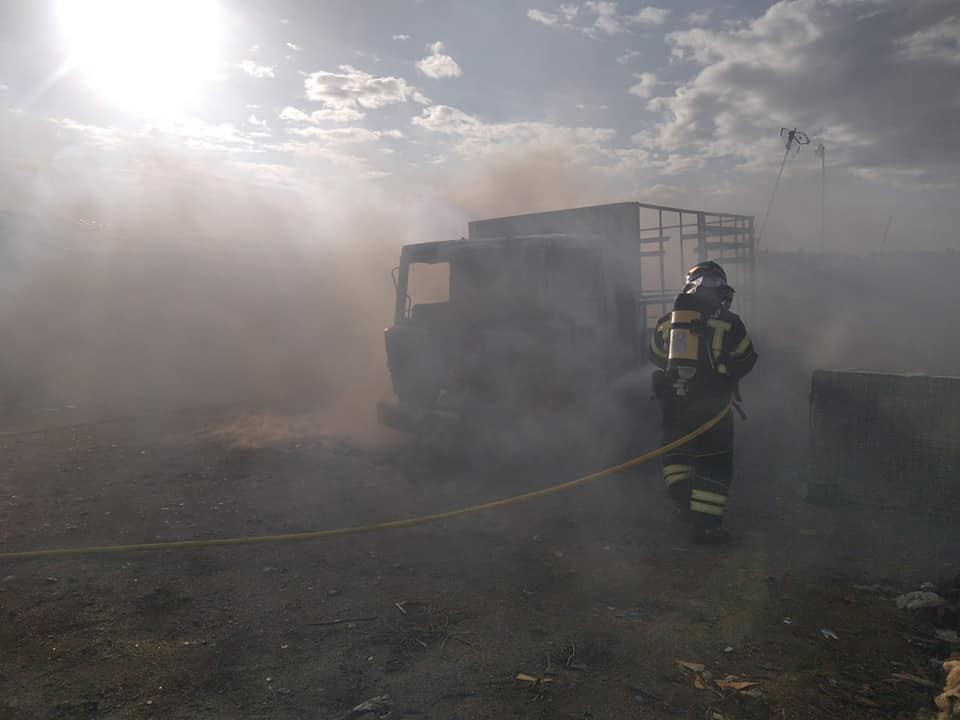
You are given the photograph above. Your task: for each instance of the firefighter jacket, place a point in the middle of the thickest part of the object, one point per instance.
(726, 354)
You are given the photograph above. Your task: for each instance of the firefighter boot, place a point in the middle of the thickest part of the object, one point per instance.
(710, 535)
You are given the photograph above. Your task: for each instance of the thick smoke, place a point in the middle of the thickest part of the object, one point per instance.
(140, 280)
(177, 287)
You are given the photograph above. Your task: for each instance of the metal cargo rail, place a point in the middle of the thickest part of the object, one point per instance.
(657, 243)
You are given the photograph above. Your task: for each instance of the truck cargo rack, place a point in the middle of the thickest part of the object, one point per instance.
(658, 244)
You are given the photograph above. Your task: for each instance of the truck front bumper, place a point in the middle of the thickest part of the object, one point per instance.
(430, 423)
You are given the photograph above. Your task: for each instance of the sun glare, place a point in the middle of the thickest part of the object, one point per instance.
(147, 56)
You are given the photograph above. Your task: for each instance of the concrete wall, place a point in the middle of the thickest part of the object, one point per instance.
(886, 439)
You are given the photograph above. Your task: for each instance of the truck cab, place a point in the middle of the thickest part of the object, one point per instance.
(502, 326)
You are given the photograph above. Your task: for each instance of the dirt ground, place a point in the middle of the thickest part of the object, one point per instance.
(596, 590)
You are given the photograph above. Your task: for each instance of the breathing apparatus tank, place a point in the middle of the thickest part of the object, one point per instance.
(683, 355)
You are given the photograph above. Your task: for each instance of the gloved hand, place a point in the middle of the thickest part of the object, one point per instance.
(661, 384)
(721, 365)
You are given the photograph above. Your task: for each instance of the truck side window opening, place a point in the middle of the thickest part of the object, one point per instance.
(428, 284)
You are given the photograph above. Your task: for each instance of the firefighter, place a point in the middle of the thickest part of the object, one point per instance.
(702, 351)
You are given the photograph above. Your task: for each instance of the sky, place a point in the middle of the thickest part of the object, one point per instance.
(501, 106)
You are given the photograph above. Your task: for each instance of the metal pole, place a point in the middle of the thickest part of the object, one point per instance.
(663, 282)
(753, 264)
(701, 237)
(795, 139)
(822, 152)
(683, 264)
(886, 233)
(773, 194)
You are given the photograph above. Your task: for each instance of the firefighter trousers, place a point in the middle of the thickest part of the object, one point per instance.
(698, 475)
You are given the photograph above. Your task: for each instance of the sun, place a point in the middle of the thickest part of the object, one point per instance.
(147, 56)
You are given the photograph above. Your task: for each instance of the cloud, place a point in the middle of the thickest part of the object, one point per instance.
(873, 91)
(700, 17)
(348, 152)
(607, 20)
(294, 47)
(598, 17)
(627, 56)
(401, 37)
(292, 114)
(544, 18)
(256, 122)
(939, 42)
(438, 64)
(475, 138)
(206, 136)
(585, 106)
(650, 16)
(569, 11)
(340, 136)
(257, 71)
(95, 135)
(647, 85)
(184, 132)
(589, 149)
(345, 95)
(340, 114)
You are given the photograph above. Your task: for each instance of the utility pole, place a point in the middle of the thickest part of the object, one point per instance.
(822, 153)
(886, 234)
(795, 139)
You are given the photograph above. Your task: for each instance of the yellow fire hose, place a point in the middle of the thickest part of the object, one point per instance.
(373, 527)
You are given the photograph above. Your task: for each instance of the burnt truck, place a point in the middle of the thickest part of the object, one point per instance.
(544, 315)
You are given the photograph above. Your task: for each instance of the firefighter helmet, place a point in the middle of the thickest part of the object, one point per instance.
(708, 274)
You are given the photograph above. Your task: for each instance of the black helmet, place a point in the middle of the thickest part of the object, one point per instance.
(708, 274)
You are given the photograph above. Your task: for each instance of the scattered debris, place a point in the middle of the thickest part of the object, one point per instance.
(400, 606)
(378, 705)
(570, 656)
(919, 599)
(456, 636)
(339, 621)
(949, 700)
(730, 682)
(728, 649)
(788, 621)
(523, 677)
(829, 634)
(538, 683)
(920, 641)
(701, 676)
(913, 679)
(949, 636)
